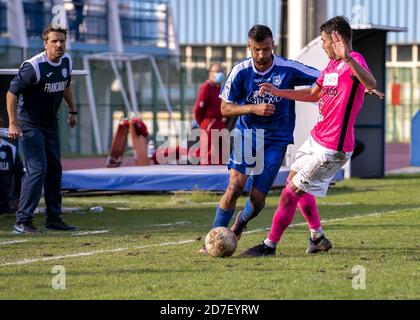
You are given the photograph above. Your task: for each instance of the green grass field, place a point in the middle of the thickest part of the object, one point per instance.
(148, 249)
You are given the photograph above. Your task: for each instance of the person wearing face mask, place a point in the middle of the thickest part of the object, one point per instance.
(208, 115)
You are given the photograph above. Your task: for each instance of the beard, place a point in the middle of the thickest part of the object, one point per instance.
(263, 61)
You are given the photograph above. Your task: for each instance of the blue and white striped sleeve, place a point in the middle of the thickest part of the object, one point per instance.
(25, 78)
(231, 91)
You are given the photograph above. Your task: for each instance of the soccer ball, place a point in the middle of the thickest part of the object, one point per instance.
(221, 242)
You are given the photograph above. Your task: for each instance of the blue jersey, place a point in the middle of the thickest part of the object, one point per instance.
(242, 87)
(40, 85)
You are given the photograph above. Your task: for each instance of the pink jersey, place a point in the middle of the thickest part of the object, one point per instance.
(341, 100)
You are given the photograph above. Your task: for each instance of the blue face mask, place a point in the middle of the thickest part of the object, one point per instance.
(219, 77)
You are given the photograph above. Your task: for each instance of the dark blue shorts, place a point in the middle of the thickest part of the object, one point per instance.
(257, 158)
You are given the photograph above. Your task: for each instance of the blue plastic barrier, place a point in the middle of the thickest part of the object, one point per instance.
(415, 140)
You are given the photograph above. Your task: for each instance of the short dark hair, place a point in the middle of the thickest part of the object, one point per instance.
(51, 28)
(259, 33)
(340, 24)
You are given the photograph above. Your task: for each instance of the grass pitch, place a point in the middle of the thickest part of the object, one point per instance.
(145, 247)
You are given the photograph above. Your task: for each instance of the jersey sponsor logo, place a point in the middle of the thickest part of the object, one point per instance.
(64, 72)
(331, 79)
(259, 80)
(55, 87)
(331, 92)
(267, 98)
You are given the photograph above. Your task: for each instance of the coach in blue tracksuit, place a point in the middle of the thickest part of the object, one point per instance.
(33, 100)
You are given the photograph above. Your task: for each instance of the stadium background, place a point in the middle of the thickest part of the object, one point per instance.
(185, 36)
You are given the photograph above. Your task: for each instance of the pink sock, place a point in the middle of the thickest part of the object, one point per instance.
(284, 214)
(307, 205)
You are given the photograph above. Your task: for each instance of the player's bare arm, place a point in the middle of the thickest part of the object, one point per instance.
(235, 110)
(68, 97)
(306, 95)
(14, 129)
(375, 91)
(342, 51)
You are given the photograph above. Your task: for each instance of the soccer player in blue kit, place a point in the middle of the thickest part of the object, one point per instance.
(33, 99)
(274, 117)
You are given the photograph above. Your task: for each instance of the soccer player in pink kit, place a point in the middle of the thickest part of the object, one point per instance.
(340, 91)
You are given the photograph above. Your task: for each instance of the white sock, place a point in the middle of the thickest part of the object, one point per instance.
(316, 234)
(269, 243)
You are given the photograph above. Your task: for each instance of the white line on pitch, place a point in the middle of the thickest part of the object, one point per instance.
(90, 253)
(12, 242)
(85, 233)
(165, 244)
(169, 224)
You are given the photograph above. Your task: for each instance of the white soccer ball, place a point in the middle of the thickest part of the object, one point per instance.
(221, 242)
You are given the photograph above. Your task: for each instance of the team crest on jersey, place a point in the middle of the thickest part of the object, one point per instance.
(64, 72)
(276, 81)
(2, 155)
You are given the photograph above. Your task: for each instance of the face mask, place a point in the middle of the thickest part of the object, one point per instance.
(219, 77)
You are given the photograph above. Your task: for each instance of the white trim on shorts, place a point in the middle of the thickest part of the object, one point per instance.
(316, 166)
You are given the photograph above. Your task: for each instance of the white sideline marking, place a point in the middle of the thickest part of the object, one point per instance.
(12, 242)
(169, 224)
(166, 244)
(90, 253)
(85, 233)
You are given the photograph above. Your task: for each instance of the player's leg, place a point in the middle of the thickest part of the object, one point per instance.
(227, 205)
(285, 212)
(32, 144)
(52, 185)
(253, 206)
(237, 179)
(262, 183)
(313, 179)
(308, 208)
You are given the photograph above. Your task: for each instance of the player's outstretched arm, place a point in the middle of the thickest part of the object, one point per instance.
(380, 94)
(306, 95)
(236, 110)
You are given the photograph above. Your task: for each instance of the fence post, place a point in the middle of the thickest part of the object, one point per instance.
(415, 140)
